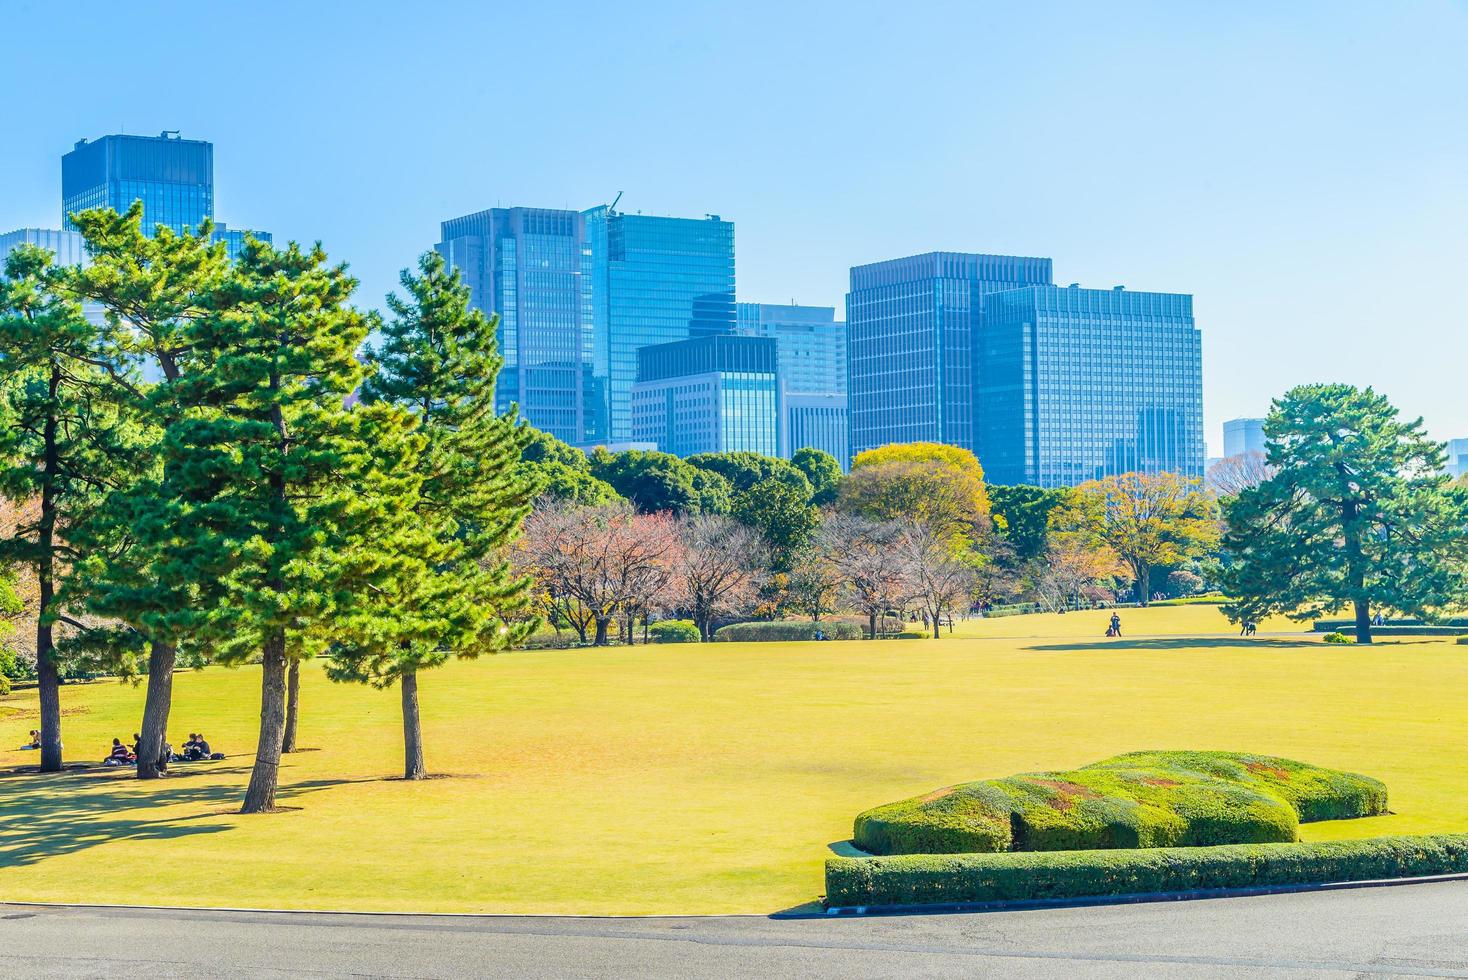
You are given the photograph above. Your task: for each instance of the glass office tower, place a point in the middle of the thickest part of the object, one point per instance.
(911, 325)
(529, 266)
(707, 394)
(64, 246)
(811, 346)
(1077, 384)
(654, 280)
(1243, 436)
(173, 177)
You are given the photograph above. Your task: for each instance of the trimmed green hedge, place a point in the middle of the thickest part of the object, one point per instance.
(761, 632)
(674, 631)
(1137, 800)
(1325, 625)
(928, 879)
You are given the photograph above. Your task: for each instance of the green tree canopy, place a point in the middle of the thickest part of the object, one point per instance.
(60, 442)
(822, 470)
(1146, 519)
(656, 481)
(745, 469)
(451, 593)
(295, 501)
(783, 516)
(1023, 515)
(1357, 513)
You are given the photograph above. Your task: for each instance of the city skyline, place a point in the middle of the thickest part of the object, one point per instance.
(1147, 182)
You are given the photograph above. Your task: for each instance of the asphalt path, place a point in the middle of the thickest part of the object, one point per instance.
(1411, 931)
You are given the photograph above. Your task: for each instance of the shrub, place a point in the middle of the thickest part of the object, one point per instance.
(1337, 638)
(13, 667)
(674, 631)
(927, 879)
(1142, 799)
(4, 685)
(787, 630)
(1463, 640)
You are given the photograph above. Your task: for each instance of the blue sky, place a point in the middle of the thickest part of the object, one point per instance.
(1301, 168)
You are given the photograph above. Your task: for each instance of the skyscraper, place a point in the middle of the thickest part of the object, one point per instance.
(173, 177)
(811, 348)
(529, 265)
(912, 324)
(1457, 457)
(654, 280)
(707, 394)
(1243, 436)
(66, 246)
(1077, 384)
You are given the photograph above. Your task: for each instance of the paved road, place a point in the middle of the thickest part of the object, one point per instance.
(1416, 930)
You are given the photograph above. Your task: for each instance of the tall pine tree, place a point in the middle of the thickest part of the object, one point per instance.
(286, 488)
(59, 437)
(452, 593)
(153, 291)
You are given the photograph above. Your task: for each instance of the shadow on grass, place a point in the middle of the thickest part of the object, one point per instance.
(1177, 643)
(44, 816)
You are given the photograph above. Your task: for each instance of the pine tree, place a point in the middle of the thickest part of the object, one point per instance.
(453, 594)
(152, 292)
(59, 434)
(1357, 513)
(285, 487)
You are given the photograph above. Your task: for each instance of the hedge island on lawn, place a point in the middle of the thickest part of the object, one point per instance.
(1141, 799)
(1137, 823)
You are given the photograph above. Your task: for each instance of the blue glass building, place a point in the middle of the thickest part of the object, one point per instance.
(173, 177)
(1077, 384)
(811, 347)
(654, 280)
(1243, 436)
(529, 265)
(912, 324)
(65, 246)
(706, 394)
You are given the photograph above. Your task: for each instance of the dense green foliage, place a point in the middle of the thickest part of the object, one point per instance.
(656, 481)
(60, 441)
(1357, 514)
(782, 514)
(1141, 799)
(787, 630)
(674, 631)
(1023, 515)
(823, 472)
(938, 486)
(745, 469)
(561, 471)
(449, 591)
(928, 879)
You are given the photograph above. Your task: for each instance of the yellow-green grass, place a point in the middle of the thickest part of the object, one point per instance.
(695, 778)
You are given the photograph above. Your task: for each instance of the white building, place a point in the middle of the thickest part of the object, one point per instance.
(1243, 436)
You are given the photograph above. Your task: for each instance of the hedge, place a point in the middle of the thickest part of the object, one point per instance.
(932, 879)
(1137, 800)
(759, 632)
(1326, 625)
(674, 631)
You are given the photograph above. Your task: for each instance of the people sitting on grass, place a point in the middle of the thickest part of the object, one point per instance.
(120, 755)
(196, 749)
(35, 740)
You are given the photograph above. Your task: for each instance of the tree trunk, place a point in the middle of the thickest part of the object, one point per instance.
(937, 626)
(1363, 622)
(265, 777)
(871, 626)
(1144, 584)
(601, 631)
(413, 767)
(292, 707)
(48, 680)
(156, 705)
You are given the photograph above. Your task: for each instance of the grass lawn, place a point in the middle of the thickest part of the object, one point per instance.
(695, 779)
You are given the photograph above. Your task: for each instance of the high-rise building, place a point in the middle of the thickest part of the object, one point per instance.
(707, 394)
(1457, 457)
(1243, 436)
(811, 348)
(173, 177)
(912, 324)
(66, 246)
(530, 266)
(1077, 384)
(654, 280)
